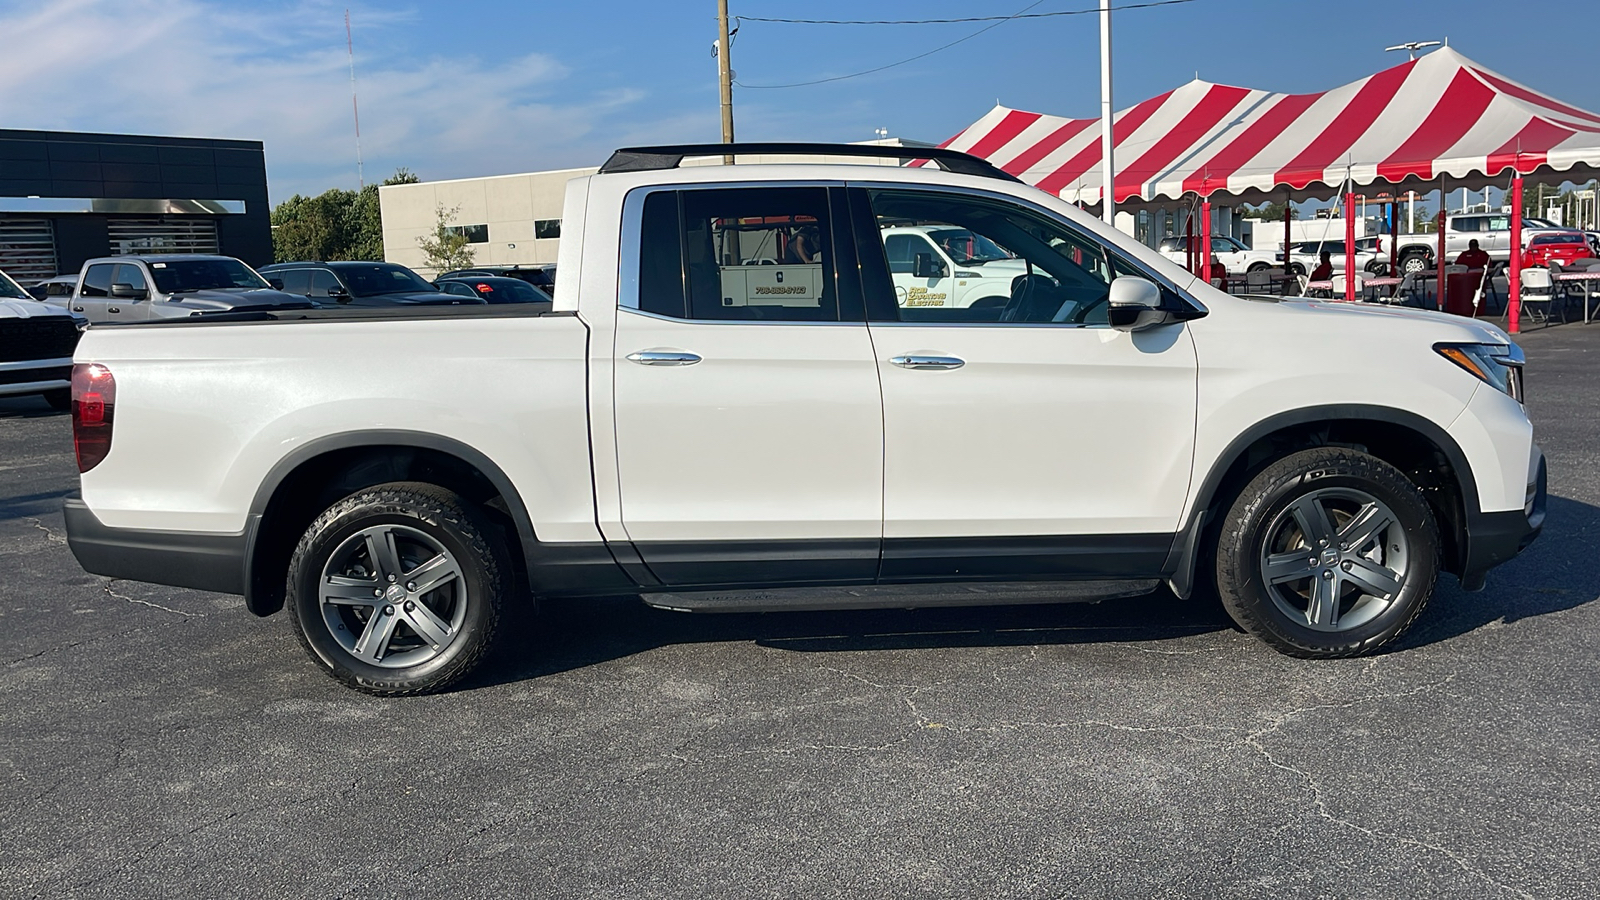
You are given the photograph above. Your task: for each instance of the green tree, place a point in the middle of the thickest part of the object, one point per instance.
(1270, 212)
(335, 224)
(446, 248)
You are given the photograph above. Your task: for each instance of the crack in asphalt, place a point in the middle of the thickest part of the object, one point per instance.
(49, 533)
(124, 597)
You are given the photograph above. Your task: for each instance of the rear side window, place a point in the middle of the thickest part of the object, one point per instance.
(97, 281)
(295, 281)
(738, 253)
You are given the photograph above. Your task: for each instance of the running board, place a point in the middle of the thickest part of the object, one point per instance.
(899, 596)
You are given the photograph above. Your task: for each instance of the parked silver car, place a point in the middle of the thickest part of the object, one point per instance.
(115, 289)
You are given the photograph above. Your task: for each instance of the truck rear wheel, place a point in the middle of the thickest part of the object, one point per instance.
(1327, 553)
(1413, 263)
(397, 589)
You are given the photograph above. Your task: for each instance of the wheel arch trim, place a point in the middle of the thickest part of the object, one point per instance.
(1186, 547)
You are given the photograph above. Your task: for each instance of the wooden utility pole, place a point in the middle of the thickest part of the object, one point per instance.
(725, 75)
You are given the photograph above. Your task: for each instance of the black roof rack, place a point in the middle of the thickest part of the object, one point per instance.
(644, 159)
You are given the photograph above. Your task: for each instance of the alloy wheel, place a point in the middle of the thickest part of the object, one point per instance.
(393, 596)
(1334, 559)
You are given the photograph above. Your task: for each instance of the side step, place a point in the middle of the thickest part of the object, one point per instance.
(899, 596)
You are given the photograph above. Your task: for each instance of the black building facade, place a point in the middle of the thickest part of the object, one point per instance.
(67, 197)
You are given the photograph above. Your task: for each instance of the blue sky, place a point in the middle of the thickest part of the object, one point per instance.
(478, 87)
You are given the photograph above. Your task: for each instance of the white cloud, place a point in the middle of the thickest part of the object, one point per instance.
(195, 68)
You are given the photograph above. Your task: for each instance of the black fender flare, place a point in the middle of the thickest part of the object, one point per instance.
(1181, 560)
(552, 567)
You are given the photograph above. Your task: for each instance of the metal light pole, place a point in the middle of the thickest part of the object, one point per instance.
(1108, 168)
(725, 75)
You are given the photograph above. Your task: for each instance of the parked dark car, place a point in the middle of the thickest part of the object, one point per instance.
(358, 284)
(542, 277)
(493, 289)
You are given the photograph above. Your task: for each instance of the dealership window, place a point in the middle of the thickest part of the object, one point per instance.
(475, 234)
(547, 228)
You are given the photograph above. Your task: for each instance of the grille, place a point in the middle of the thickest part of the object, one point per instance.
(52, 338)
(170, 234)
(25, 376)
(27, 249)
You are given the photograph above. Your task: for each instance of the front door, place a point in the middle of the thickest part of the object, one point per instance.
(94, 294)
(1031, 439)
(749, 430)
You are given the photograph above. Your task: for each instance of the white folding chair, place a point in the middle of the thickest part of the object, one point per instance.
(1537, 288)
(1339, 285)
(1258, 281)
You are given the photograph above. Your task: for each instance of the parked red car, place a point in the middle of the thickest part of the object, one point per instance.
(1563, 247)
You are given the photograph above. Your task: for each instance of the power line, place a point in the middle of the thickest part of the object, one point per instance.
(902, 62)
(1043, 15)
(996, 22)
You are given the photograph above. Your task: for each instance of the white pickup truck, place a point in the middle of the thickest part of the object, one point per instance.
(397, 477)
(1492, 231)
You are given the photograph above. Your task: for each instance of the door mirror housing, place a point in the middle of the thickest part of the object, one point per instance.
(338, 291)
(276, 283)
(125, 291)
(926, 265)
(1135, 305)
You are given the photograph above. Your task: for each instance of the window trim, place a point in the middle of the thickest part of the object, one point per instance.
(1198, 309)
(632, 237)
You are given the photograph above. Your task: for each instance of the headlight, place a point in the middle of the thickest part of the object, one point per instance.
(1498, 365)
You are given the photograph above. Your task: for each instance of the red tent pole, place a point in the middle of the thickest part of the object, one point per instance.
(1350, 246)
(1444, 201)
(1205, 240)
(1514, 273)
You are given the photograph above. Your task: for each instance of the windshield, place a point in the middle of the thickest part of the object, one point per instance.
(185, 275)
(967, 248)
(9, 289)
(378, 278)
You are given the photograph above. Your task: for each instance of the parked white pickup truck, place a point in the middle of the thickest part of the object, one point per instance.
(1492, 231)
(395, 476)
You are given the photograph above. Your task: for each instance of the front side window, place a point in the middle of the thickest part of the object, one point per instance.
(1020, 266)
(738, 253)
(97, 281)
(131, 276)
(323, 283)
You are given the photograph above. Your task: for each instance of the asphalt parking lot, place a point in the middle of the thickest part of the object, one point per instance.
(157, 742)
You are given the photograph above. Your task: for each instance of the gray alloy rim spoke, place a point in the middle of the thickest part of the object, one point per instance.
(374, 642)
(1331, 548)
(1313, 521)
(433, 574)
(1323, 610)
(428, 626)
(385, 556)
(1361, 529)
(352, 593)
(1291, 566)
(1373, 578)
(366, 594)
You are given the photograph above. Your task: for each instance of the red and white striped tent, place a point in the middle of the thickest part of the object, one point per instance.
(1441, 115)
(1440, 120)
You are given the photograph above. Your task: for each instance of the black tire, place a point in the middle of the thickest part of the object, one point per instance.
(1260, 267)
(1258, 532)
(1412, 263)
(59, 400)
(423, 519)
(1296, 269)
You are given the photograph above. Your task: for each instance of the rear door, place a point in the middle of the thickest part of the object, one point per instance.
(749, 428)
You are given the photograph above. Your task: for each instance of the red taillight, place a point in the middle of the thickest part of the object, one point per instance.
(94, 399)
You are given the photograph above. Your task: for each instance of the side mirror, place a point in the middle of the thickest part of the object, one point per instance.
(277, 283)
(338, 291)
(926, 265)
(124, 291)
(1135, 304)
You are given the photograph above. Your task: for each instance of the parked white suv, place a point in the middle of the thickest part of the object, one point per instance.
(1236, 257)
(36, 344)
(395, 476)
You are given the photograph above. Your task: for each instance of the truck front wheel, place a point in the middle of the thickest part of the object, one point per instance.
(397, 589)
(1327, 553)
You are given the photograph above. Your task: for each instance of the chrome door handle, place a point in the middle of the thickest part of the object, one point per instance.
(77, 309)
(928, 362)
(114, 309)
(663, 358)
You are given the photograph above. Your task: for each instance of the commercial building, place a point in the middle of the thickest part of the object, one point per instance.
(511, 219)
(66, 197)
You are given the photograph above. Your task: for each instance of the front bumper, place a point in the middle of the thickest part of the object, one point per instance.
(35, 376)
(1493, 538)
(204, 561)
